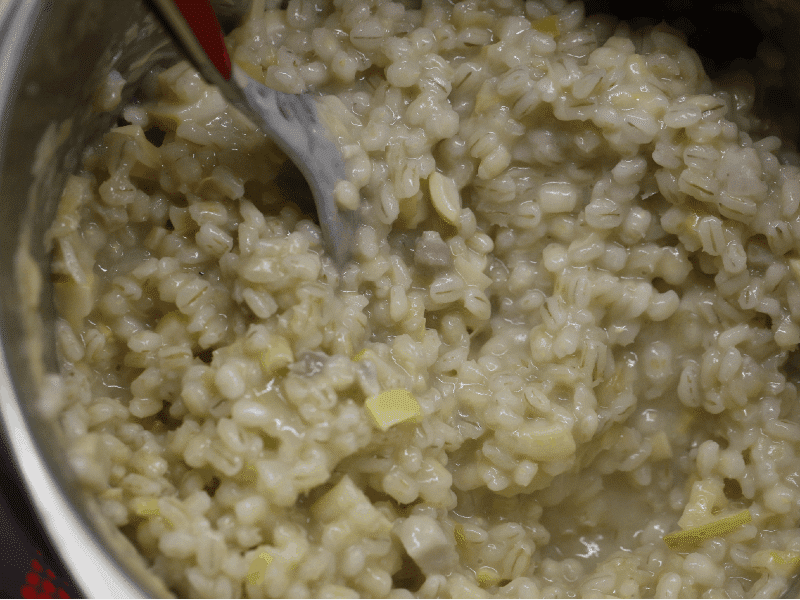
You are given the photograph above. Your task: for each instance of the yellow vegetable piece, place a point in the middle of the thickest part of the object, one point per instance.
(249, 474)
(547, 25)
(542, 441)
(149, 508)
(255, 71)
(338, 501)
(278, 355)
(783, 563)
(694, 536)
(392, 407)
(487, 98)
(487, 577)
(255, 574)
(461, 539)
(785, 558)
(704, 496)
(360, 355)
(661, 446)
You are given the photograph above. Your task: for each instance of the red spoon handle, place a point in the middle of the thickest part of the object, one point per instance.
(203, 22)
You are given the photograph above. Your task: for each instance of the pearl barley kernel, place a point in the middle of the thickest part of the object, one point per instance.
(445, 197)
(557, 197)
(346, 195)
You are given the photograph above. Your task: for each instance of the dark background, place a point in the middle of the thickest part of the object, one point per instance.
(24, 545)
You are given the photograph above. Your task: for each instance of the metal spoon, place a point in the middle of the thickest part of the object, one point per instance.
(290, 120)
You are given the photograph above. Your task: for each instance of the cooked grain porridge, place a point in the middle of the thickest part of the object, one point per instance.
(554, 367)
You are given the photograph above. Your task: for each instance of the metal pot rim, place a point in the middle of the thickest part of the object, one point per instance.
(80, 549)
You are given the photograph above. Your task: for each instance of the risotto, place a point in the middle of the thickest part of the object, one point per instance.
(555, 365)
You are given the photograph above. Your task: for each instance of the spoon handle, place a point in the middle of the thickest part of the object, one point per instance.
(203, 22)
(195, 27)
(290, 120)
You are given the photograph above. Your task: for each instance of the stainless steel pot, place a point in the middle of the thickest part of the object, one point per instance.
(53, 55)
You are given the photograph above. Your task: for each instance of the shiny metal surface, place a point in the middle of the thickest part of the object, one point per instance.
(290, 120)
(54, 54)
